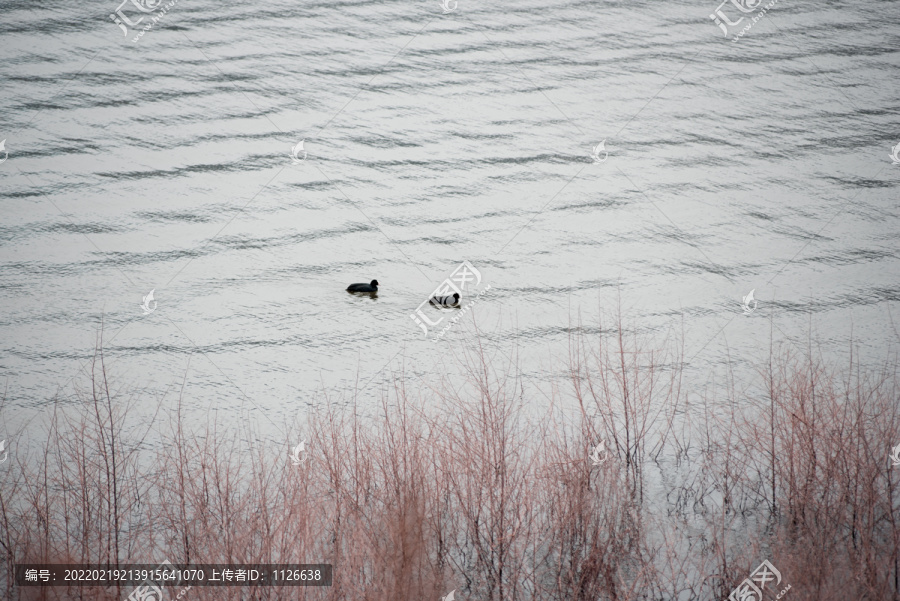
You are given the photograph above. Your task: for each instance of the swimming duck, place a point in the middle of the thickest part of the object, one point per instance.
(370, 287)
(445, 301)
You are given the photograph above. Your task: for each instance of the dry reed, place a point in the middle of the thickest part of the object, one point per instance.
(475, 490)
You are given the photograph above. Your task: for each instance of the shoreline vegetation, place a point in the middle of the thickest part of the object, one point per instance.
(490, 491)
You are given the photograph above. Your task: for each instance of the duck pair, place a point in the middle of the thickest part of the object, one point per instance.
(438, 301)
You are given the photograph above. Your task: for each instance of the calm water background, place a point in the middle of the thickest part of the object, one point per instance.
(435, 138)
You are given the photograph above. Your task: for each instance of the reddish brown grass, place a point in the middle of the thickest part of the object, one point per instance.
(479, 491)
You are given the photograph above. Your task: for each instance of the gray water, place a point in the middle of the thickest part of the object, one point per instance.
(164, 163)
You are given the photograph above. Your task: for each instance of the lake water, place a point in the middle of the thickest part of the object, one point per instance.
(165, 164)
